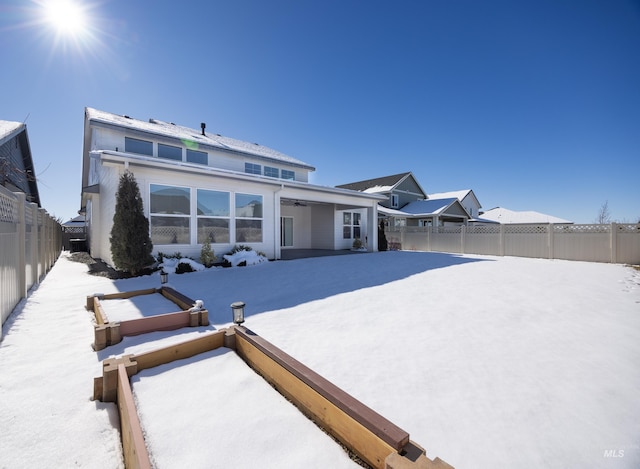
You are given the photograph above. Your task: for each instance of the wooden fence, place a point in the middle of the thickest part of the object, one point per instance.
(615, 243)
(30, 243)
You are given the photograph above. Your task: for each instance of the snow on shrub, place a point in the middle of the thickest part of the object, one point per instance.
(248, 257)
(169, 265)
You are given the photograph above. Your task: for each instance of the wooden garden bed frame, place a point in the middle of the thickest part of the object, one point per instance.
(376, 440)
(109, 333)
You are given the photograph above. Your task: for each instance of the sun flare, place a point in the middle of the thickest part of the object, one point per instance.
(66, 16)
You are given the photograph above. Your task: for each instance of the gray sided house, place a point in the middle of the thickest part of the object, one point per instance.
(198, 185)
(16, 164)
(407, 204)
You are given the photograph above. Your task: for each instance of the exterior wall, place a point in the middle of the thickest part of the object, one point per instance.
(341, 242)
(301, 225)
(109, 181)
(322, 234)
(104, 138)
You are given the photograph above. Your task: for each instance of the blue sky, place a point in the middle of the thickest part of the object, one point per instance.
(535, 105)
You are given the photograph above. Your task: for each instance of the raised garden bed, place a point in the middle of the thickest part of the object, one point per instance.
(107, 332)
(374, 439)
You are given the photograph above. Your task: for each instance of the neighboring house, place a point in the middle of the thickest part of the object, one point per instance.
(197, 185)
(16, 164)
(407, 204)
(505, 216)
(399, 189)
(74, 234)
(466, 197)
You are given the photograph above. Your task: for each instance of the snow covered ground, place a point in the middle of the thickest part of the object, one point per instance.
(485, 361)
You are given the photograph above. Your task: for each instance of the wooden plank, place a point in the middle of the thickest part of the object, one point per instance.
(129, 294)
(178, 298)
(388, 431)
(341, 419)
(134, 448)
(161, 322)
(186, 349)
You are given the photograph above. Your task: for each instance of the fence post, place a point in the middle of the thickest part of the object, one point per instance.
(614, 243)
(463, 238)
(501, 239)
(429, 238)
(22, 246)
(33, 262)
(552, 234)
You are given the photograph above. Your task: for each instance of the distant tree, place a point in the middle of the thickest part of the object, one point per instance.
(383, 245)
(604, 215)
(130, 242)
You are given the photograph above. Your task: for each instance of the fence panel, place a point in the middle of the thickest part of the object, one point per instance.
(627, 243)
(446, 239)
(617, 243)
(9, 259)
(526, 240)
(582, 242)
(483, 239)
(30, 243)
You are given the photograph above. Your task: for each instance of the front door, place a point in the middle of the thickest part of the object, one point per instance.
(286, 231)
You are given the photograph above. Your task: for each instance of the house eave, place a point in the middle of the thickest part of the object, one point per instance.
(153, 162)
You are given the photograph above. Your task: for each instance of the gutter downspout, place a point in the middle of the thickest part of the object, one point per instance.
(277, 251)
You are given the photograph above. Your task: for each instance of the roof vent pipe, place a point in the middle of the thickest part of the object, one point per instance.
(202, 126)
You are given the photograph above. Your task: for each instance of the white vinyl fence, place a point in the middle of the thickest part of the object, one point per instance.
(30, 243)
(615, 243)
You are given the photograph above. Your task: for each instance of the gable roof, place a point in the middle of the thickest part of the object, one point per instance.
(381, 185)
(506, 216)
(460, 195)
(427, 208)
(167, 129)
(10, 130)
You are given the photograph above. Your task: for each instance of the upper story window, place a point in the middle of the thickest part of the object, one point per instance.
(200, 157)
(395, 201)
(271, 172)
(251, 168)
(134, 145)
(170, 152)
(286, 174)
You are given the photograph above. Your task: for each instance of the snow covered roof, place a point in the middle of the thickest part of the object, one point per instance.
(428, 207)
(452, 194)
(423, 208)
(376, 185)
(171, 130)
(8, 129)
(506, 216)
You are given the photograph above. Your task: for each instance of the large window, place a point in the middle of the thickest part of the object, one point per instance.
(134, 145)
(195, 156)
(170, 213)
(213, 216)
(248, 218)
(170, 152)
(251, 168)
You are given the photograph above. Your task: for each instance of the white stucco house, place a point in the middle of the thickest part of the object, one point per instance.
(197, 185)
